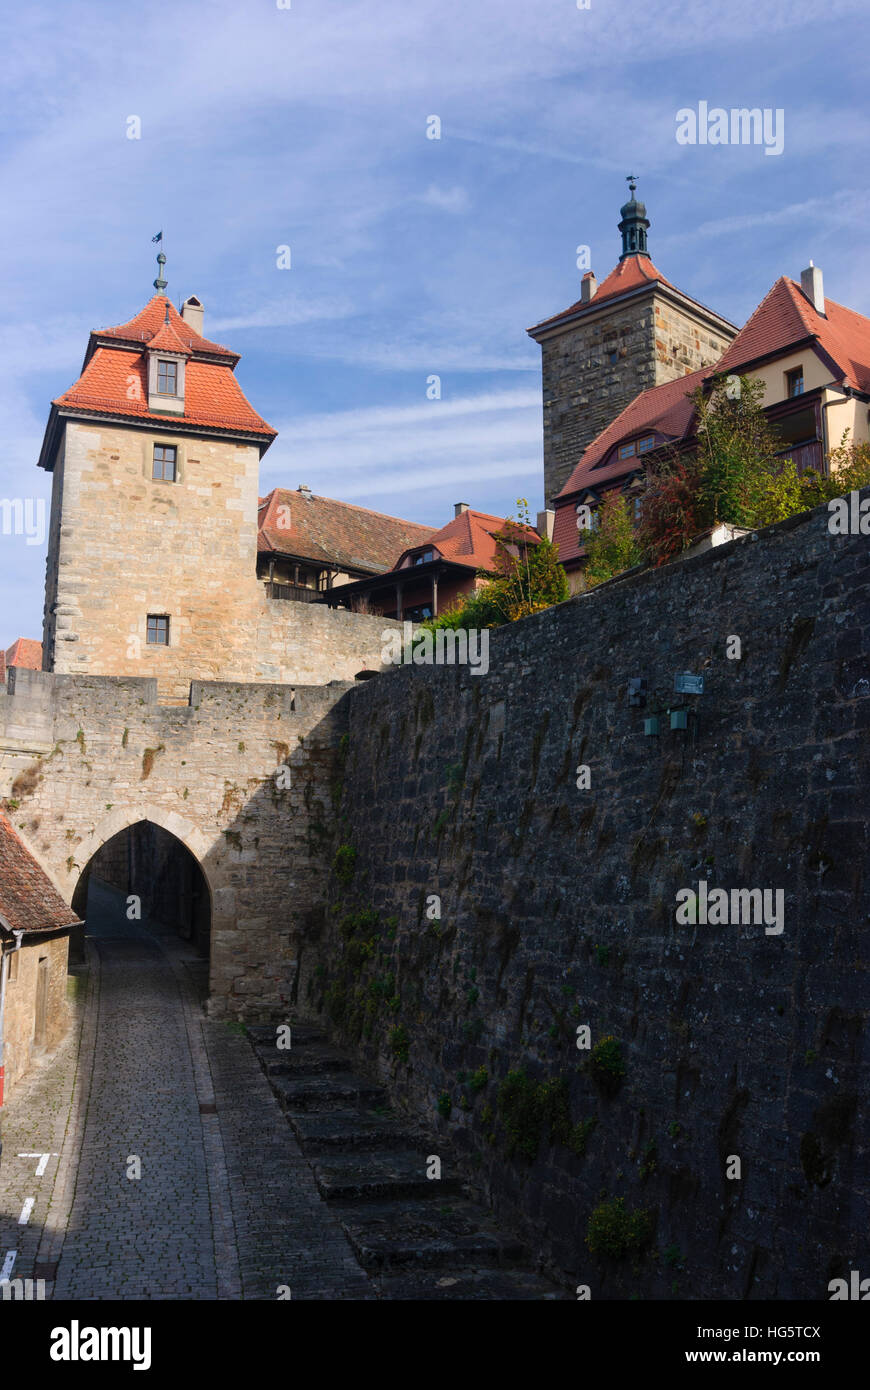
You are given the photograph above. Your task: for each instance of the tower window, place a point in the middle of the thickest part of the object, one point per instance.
(613, 354)
(794, 382)
(157, 631)
(167, 378)
(163, 469)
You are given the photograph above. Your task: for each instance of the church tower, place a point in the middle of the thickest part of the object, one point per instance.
(632, 331)
(155, 455)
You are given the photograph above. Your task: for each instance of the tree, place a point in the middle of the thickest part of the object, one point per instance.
(737, 449)
(526, 577)
(613, 546)
(671, 512)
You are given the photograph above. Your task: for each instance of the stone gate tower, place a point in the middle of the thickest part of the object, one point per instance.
(632, 331)
(155, 455)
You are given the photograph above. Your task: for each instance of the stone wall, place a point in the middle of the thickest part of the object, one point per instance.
(122, 546)
(654, 339)
(84, 757)
(709, 1043)
(22, 1046)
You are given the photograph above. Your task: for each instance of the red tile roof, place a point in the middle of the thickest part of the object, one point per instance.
(469, 539)
(114, 380)
(28, 899)
(665, 409)
(628, 274)
(145, 325)
(25, 651)
(331, 532)
(785, 317)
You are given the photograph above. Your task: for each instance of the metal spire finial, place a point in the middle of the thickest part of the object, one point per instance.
(160, 284)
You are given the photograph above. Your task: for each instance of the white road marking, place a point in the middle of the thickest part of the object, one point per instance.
(8, 1264)
(26, 1210)
(43, 1161)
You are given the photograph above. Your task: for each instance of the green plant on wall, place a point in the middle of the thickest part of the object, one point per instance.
(616, 1232)
(607, 1065)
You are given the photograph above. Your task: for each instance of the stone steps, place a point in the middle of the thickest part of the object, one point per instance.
(418, 1238)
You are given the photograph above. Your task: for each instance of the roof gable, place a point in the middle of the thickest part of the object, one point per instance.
(327, 531)
(28, 899)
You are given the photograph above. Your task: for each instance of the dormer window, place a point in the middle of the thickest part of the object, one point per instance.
(166, 383)
(167, 377)
(423, 557)
(637, 446)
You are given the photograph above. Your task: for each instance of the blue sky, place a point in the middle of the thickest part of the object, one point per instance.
(263, 127)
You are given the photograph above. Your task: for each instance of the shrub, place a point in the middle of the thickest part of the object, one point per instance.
(607, 1064)
(614, 1231)
(344, 864)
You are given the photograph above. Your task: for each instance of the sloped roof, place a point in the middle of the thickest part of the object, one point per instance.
(114, 377)
(667, 409)
(28, 899)
(25, 651)
(629, 274)
(148, 323)
(331, 532)
(469, 539)
(785, 317)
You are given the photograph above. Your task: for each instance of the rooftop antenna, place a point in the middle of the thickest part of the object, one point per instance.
(160, 284)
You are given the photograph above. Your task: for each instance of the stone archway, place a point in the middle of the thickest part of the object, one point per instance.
(152, 855)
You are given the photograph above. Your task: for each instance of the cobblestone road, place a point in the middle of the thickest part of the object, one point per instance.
(224, 1207)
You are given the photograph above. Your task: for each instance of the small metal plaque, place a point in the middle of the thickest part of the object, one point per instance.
(688, 684)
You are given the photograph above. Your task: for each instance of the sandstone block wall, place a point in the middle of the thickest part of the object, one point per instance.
(22, 1048)
(122, 546)
(206, 774)
(558, 910)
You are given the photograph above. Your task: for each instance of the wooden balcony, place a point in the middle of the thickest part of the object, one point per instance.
(805, 456)
(296, 592)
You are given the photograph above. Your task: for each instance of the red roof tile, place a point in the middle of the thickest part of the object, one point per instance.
(27, 652)
(469, 539)
(785, 317)
(115, 382)
(665, 409)
(148, 323)
(629, 274)
(331, 532)
(28, 899)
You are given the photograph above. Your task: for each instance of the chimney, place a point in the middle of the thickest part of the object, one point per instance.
(304, 489)
(544, 524)
(192, 312)
(459, 508)
(588, 286)
(811, 284)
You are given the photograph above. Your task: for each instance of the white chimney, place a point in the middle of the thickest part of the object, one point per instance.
(192, 312)
(811, 284)
(544, 524)
(459, 508)
(588, 286)
(304, 489)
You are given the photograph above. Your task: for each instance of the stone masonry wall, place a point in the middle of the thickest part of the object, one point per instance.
(122, 546)
(84, 757)
(558, 910)
(21, 998)
(655, 341)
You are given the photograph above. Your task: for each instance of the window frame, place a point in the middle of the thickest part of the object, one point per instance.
(163, 461)
(157, 618)
(792, 376)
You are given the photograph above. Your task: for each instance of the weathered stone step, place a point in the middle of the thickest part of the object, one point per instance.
(343, 1131)
(330, 1091)
(428, 1234)
(301, 1062)
(471, 1285)
(368, 1175)
(301, 1035)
